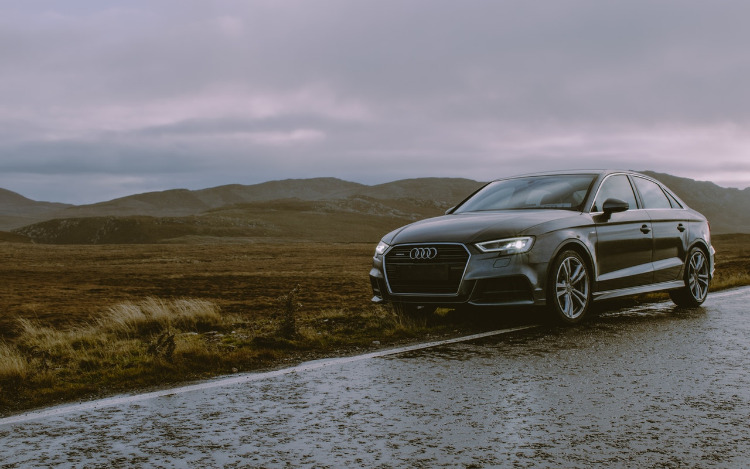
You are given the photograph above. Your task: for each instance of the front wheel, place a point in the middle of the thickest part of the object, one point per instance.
(697, 278)
(569, 292)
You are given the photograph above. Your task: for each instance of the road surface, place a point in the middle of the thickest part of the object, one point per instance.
(652, 386)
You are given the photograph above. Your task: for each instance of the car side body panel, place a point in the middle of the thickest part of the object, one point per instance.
(623, 250)
(671, 231)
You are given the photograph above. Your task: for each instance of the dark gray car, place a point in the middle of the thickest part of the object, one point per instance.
(561, 239)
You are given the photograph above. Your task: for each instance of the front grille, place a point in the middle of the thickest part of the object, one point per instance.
(440, 275)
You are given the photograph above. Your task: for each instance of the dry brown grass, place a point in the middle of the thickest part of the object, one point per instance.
(13, 365)
(732, 261)
(123, 344)
(724, 280)
(125, 336)
(63, 286)
(154, 315)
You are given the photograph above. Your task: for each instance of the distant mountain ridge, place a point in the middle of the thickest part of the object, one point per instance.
(300, 209)
(17, 210)
(16, 204)
(184, 202)
(181, 202)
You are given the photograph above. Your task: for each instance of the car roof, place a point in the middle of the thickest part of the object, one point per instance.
(601, 173)
(598, 172)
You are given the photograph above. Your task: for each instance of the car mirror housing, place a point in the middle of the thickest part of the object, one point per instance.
(611, 206)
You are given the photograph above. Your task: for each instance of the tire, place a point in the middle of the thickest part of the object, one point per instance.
(569, 293)
(697, 280)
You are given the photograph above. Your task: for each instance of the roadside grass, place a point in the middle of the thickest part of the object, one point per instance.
(725, 280)
(13, 365)
(732, 261)
(155, 342)
(154, 315)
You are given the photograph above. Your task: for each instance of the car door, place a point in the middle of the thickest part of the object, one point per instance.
(624, 240)
(670, 229)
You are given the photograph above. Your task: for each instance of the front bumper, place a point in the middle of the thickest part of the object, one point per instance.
(488, 279)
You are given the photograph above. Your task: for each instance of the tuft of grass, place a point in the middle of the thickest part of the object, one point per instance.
(13, 366)
(191, 345)
(155, 316)
(40, 342)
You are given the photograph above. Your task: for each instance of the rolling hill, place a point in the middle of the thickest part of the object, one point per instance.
(182, 202)
(294, 209)
(353, 219)
(17, 210)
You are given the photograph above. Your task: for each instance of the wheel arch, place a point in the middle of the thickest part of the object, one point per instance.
(578, 246)
(569, 313)
(701, 244)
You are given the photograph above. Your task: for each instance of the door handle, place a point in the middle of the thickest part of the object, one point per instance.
(681, 227)
(645, 229)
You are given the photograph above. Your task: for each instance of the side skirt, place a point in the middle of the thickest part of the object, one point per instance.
(605, 295)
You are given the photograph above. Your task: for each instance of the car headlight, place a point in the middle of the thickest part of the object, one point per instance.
(380, 249)
(507, 246)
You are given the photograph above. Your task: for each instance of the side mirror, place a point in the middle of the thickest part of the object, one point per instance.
(611, 206)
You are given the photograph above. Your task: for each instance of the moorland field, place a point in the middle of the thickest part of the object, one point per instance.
(69, 285)
(82, 321)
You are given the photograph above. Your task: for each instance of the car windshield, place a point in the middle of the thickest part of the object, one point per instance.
(562, 192)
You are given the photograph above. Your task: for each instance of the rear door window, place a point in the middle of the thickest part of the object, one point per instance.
(651, 193)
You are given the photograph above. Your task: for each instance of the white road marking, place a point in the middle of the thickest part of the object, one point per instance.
(244, 378)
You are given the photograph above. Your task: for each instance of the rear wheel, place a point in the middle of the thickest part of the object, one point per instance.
(569, 292)
(697, 279)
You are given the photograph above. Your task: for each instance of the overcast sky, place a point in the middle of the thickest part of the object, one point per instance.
(103, 99)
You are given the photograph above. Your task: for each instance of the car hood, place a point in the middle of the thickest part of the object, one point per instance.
(472, 227)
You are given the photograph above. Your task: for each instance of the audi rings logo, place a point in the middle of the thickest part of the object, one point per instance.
(423, 253)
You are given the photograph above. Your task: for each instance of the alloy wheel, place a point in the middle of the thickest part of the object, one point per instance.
(698, 277)
(572, 287)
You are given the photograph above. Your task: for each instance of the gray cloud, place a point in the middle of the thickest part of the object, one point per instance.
(156, 95)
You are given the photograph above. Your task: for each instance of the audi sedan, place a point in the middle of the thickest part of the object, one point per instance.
(561, 240)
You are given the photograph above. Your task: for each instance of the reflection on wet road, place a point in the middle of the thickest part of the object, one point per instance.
(650, 386)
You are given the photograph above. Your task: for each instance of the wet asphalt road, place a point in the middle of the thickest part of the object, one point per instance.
(652, 386)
